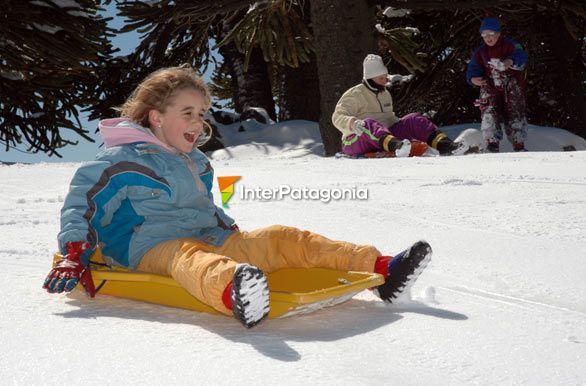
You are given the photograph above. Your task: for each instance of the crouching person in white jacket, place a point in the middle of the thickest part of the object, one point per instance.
(364, 114)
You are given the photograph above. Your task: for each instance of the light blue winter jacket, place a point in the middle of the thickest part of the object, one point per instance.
(140, 192)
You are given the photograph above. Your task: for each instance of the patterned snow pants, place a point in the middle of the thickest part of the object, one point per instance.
(503, 105)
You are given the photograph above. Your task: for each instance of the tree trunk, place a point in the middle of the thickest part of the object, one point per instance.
(570, 76)
(299, 87)
(251, 88)
(299, 92)
(343, 37)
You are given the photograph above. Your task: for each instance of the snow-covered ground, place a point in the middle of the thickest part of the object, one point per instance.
(503, 301)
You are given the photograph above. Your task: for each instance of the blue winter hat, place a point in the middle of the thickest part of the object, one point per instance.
(490, 23)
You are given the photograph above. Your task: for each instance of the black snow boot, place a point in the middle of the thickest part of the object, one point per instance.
(403, 271)
(519, 147)
(446, 146)
(250, 295)
(492, 147)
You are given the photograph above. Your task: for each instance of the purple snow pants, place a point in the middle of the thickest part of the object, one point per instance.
(412, 126)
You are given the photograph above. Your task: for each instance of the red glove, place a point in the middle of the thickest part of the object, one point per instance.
(70, 270)
(235, 228)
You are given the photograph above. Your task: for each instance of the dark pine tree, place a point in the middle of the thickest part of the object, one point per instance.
(551, 31)
(343, 37)
(49, 55)
(250, 84)
(298, 90)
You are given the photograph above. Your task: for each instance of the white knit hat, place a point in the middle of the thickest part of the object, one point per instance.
(373, 66)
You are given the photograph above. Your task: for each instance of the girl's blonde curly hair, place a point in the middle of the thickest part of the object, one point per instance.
(156, 91)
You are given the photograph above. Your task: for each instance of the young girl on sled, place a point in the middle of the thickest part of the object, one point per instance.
(146, 201)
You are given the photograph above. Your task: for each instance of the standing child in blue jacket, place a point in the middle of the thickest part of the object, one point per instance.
(146, 202)
(497, 67)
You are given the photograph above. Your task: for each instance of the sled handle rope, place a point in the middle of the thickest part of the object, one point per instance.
(99, 287)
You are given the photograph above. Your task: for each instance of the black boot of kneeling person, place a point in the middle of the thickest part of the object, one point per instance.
(446, 146)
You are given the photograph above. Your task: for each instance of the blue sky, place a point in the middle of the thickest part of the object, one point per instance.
(85, 150)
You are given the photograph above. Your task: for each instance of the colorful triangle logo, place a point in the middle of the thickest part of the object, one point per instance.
(227, 188)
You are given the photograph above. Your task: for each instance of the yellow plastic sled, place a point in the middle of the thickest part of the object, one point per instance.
(292, 291)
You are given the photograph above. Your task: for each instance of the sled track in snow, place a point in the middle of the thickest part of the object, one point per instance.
(511, 300)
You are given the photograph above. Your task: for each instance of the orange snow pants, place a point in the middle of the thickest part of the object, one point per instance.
(205, 270)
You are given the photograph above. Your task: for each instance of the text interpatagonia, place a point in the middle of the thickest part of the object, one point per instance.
(285, 191)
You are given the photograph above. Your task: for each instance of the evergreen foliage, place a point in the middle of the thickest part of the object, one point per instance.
(552, 32)
(56, 57)
(50, 52)
(278, 28)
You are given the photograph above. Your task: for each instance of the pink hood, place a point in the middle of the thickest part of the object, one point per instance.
(121, 131)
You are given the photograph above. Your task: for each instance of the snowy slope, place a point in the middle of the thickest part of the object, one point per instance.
(503, 301)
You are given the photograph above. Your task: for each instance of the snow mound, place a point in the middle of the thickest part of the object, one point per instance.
(289, 139)
(294, 139)
(539, 138)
